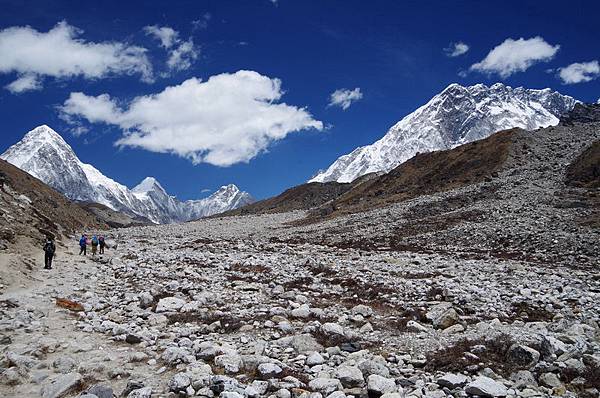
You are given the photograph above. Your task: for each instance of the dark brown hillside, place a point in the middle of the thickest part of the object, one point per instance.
(428, 173)
(302, 197)
(30, 208)
(584, 171)
(114, 219)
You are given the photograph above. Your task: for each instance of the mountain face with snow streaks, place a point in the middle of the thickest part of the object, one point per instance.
(44, 154)
(456, 116)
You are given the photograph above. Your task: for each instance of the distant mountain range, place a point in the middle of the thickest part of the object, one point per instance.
(44, 154)
(455, 116)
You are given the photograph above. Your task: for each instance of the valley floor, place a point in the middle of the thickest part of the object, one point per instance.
(249, 307)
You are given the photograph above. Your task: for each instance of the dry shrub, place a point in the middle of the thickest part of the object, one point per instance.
(453, 358)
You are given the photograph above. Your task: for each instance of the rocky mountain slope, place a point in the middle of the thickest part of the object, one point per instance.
(30, 208)
(114, 219)
(303, 197)
(44, 154)
(456, 116)
(29, 211)
(526, 206)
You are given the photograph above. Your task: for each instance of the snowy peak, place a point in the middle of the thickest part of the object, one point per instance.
(455, 116)
(226, 191)
(148, 184)
(40, 139)
(44, 154)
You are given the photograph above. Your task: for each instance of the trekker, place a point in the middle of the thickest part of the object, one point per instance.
(94, 245)
(83, 245)
(49, 250)
(102, 243)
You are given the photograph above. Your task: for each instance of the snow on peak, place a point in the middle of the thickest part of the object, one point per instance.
(148, 184)
(44, 154)
(455, 116)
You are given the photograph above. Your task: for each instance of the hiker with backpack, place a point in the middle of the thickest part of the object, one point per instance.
(83, 245)
(94, 245)
(101, 243)
(49, 250)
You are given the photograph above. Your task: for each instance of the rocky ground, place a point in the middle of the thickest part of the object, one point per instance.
(488, 290)
(223, 308)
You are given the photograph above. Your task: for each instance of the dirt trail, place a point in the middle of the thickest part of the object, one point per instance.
(43, 340)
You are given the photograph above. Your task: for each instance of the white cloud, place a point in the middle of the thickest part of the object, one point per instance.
(181, 53)
(344, 97)
(60, 53)
(456, 49)
(228, 119)
(181, 58)
(513, 56)
(167, 36)
(579, 72)
(202, 22)
(27, 82)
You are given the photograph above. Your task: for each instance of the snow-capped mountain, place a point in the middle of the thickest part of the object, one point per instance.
(44, 154)
(454, 117)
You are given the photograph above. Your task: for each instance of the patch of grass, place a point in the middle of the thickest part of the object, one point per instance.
(459, 356)
(528, 312)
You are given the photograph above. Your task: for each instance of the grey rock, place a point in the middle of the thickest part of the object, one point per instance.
(523, 378)
(349, 376)
(315, 359)
(169, 304)
(485, 387)
(325, 385)
(101, 391)
(549, 379)
(144, 392)
(523, 356)
(379, 385)
(269, 370)
(179, 382)
(61, 386)
(452, 380)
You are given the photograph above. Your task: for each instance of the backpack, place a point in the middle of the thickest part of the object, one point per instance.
(94, 241)
(49, 248)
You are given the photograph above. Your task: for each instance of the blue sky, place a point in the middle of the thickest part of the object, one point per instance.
(393, 51)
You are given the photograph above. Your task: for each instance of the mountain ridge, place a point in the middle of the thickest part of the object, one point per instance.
(455, 116)
(82, 182)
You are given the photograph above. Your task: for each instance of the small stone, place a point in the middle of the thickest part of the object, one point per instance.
(415, 327)
(315, 359)
(133, 339)
(269, 370)
(230, 394)
(486, 387)
(349, 376)
(101, 391)
(179, 382)
(231, 363)
(458, 328)
(549, 380)
(301, 312)
(523, 356)
(452, 380)
(332, 329)
(64, 364)
(523, 378)
(379, 385)
(169, 304)
(145, 392)
(325, 385)
(61, 386)
(363, 310)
